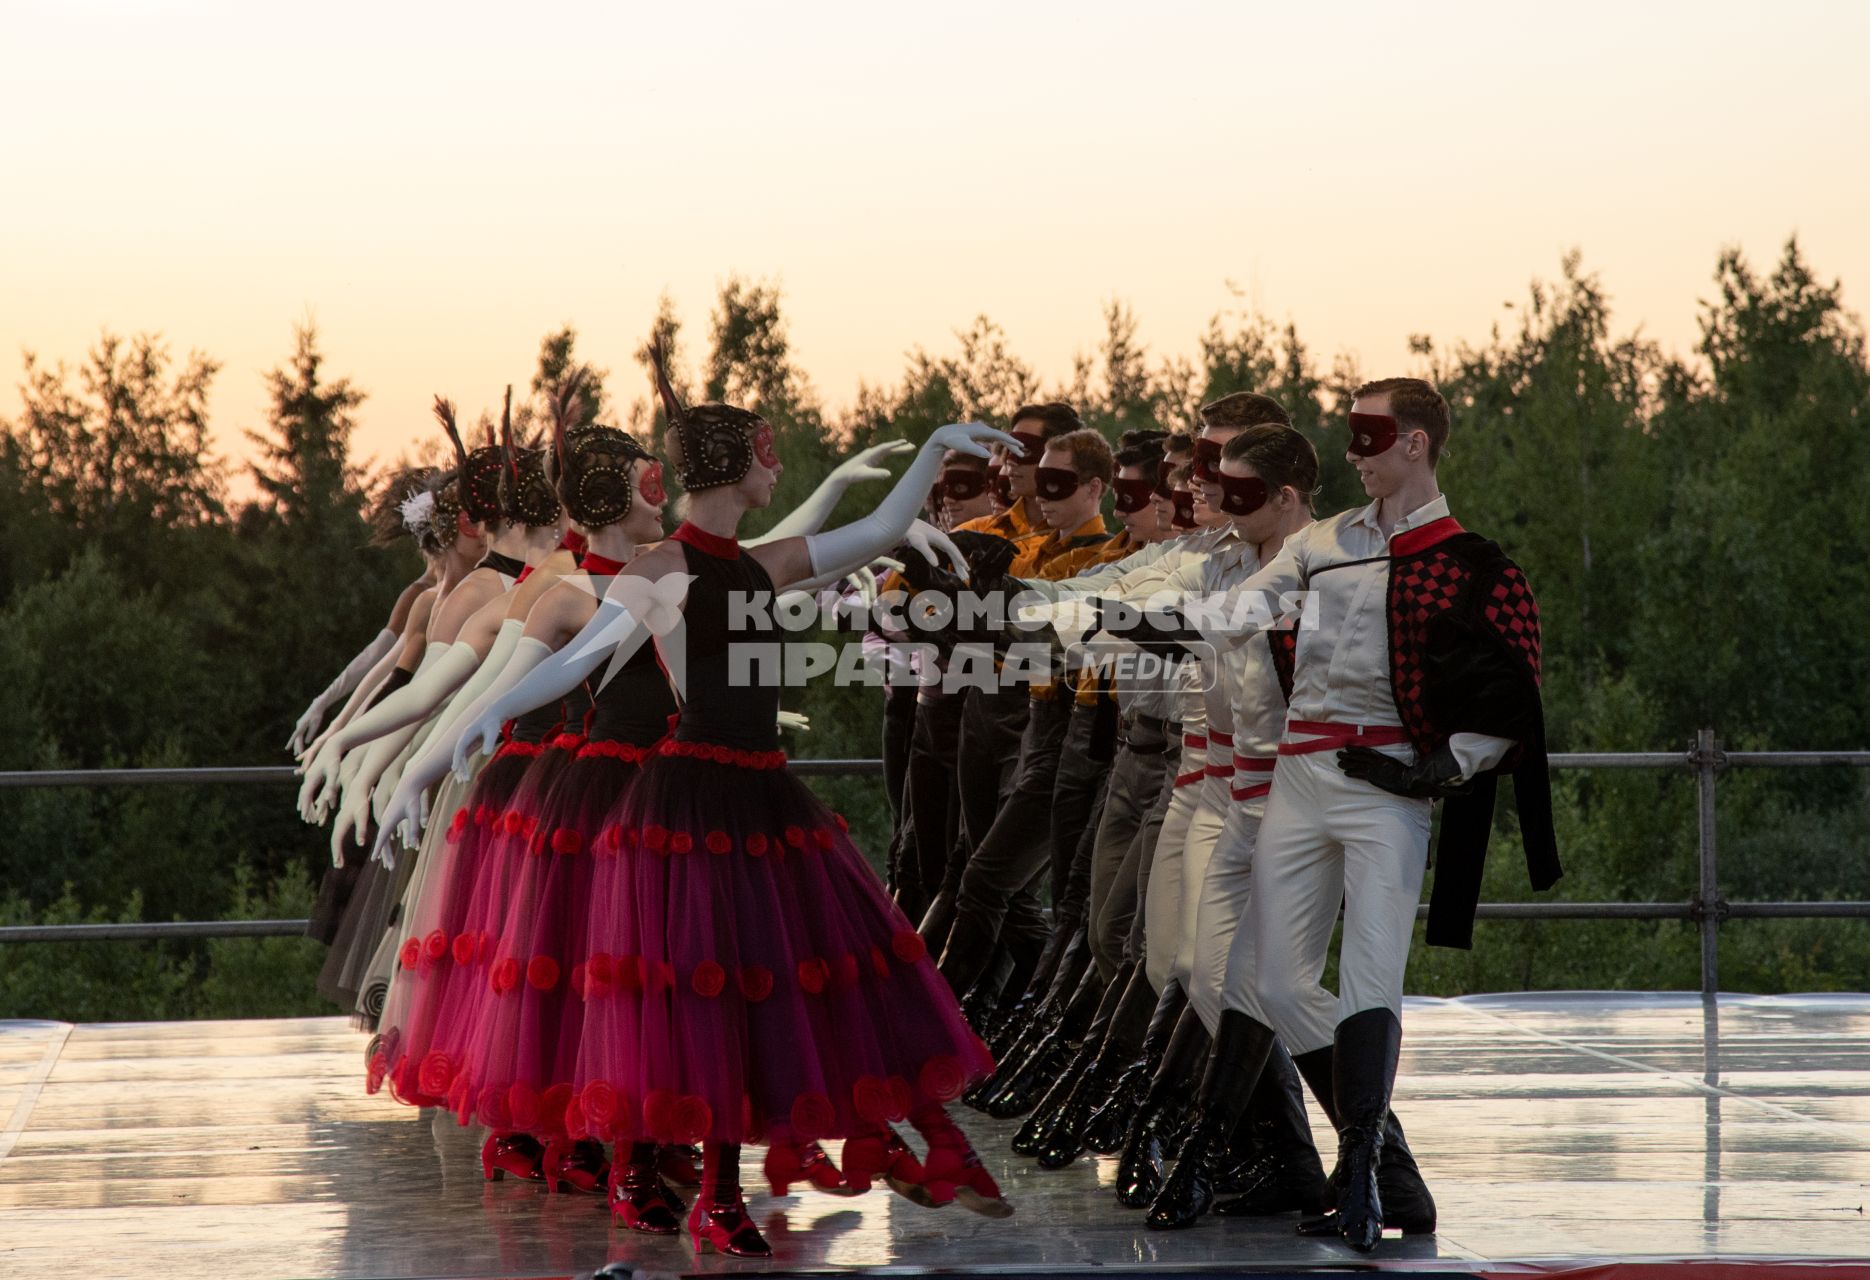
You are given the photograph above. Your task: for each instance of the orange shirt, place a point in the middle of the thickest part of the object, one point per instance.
(1012, 524)
(1055, 556)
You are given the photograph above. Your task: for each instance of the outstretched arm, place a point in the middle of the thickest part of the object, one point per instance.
(810, 516)
(345, 681)
(825, 557)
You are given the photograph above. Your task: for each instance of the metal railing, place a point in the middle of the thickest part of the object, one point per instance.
(1708, 908)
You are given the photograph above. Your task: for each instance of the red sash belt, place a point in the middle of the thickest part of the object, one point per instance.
(1326, 735)
(1194, 742)
(1220, 771)
(1190, 779)
(1225, 739)
(1252, 764)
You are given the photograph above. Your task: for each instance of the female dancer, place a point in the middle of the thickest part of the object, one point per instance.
(747, 976)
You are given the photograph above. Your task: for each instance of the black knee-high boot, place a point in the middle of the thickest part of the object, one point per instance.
(1407, 1203)
(1136, 1061)
(1241, 1046)
(1166, 1104)
(1363, 1071)
(1285, 1173)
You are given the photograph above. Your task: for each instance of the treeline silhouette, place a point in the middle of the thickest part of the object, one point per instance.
(1693, 522)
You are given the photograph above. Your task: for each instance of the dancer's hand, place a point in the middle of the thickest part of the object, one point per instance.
(307, 726)
(404, 812)
(969, 437)
(321, 776)
(864, 466)
(478, 739)
(927, 539)
(795, 722)
(351, 823)
(1434, 776)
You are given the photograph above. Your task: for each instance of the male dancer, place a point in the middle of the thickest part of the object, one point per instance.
(1418, 682)
(992, 722)
(998, 899)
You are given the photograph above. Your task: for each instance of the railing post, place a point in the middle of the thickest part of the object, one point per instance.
(1710, 908)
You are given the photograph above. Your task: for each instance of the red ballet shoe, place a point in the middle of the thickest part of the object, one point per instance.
(679, 1165)
(955, 1173)
(641, 1201)
(885, 1155)
(579, 1166)
(790, 1162)
(516, 1153)
(726, 1228)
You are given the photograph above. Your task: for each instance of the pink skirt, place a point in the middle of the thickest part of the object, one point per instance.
(747, 977)
(514, 1069)
(447, 966)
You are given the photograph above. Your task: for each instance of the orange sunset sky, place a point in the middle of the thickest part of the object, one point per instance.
(439, 185)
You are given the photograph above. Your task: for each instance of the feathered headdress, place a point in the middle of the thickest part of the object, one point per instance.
(479, 471)
(712, 440)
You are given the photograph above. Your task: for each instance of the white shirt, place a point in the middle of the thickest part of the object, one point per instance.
(1342, 672)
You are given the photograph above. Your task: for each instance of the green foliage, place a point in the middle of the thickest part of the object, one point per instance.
(1690, 522)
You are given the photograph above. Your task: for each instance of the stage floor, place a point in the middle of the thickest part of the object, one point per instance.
(1555, 1130)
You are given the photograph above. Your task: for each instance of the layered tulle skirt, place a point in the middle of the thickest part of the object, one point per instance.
(462, 911)
(745, 977)
(511, 1061)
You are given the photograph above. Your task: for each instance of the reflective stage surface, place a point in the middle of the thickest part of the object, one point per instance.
(1553, 1129)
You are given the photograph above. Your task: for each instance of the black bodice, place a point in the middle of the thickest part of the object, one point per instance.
(732, 654)
(636, 705)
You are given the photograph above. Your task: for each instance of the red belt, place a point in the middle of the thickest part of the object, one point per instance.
(1194, 742)
(1327, 735)
(1253, 764)
(1220, 771)
(1225, 739)
(1190, 779)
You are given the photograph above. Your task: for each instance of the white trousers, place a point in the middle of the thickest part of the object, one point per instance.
(1193, 824)
(1222, 976)
(1328, 839)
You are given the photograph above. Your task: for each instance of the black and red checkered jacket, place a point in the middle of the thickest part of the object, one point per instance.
(1465, 658)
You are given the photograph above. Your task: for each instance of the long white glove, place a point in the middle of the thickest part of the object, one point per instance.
(444, 668)
(810, 516)
(354, 671)
(354, 705)
(408, 805)
(838, 551)
(325, 772)
(353, 816)
(469, 738)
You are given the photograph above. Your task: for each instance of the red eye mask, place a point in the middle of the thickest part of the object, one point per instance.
(1371, 434)
(1208, 460)
(1055, 483)
(1242, 495)
(649, 484)
(1031, 446)
(763, 447)
(1133, 495)
(1163, 470)
(959, 486)
(1184, 517)
(1003, 488)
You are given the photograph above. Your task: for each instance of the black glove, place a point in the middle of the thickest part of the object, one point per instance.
(988, 556)
(1157, 629)
(922, 574)
(1436, 775)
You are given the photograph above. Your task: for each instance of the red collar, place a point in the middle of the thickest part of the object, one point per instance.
(601, 567)
(523, 575)
(712, 544)
(1411, 541)
(573, 541)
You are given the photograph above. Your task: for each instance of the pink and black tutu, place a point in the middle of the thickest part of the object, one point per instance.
(514, 1068)
(746, 976)
(440, 970)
